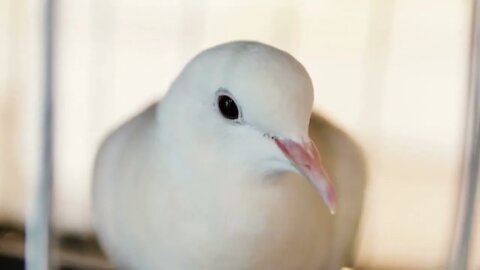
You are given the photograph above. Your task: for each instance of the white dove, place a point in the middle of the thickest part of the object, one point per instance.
(222, 173)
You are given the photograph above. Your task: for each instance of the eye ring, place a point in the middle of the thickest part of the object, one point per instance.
(228, 107)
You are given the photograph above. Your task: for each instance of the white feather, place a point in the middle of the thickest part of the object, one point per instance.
(181, 187)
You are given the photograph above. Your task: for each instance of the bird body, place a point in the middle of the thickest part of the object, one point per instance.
(181, 187)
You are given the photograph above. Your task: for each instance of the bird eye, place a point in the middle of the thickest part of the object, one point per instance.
(227, 107)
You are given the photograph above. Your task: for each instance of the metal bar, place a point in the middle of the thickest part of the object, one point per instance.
(38, 256)
(469, 189)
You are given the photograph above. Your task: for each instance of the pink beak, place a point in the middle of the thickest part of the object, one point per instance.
(306, 159)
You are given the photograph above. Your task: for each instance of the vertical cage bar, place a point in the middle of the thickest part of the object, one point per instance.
(38, 256)
(469, 189)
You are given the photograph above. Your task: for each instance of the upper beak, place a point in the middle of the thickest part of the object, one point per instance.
(305, 157)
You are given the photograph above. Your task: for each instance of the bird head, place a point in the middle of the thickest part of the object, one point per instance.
(248, 105)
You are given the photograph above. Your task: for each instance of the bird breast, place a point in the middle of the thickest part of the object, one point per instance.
(277, 224)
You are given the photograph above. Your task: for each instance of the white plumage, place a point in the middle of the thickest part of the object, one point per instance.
(181, 186)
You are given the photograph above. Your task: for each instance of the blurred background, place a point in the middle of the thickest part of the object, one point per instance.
(392, 74)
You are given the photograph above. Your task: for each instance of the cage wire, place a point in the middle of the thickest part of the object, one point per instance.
(38, 238)
(469, 186)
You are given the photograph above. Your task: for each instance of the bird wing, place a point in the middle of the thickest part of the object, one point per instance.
(346, 166)
(125, 156)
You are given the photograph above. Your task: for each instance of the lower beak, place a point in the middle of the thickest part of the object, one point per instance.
(305, 157)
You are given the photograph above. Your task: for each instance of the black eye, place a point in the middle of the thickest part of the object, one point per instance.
(227, 107)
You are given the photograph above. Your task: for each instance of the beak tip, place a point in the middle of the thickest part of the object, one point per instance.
(332, 206)
(330, 199)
